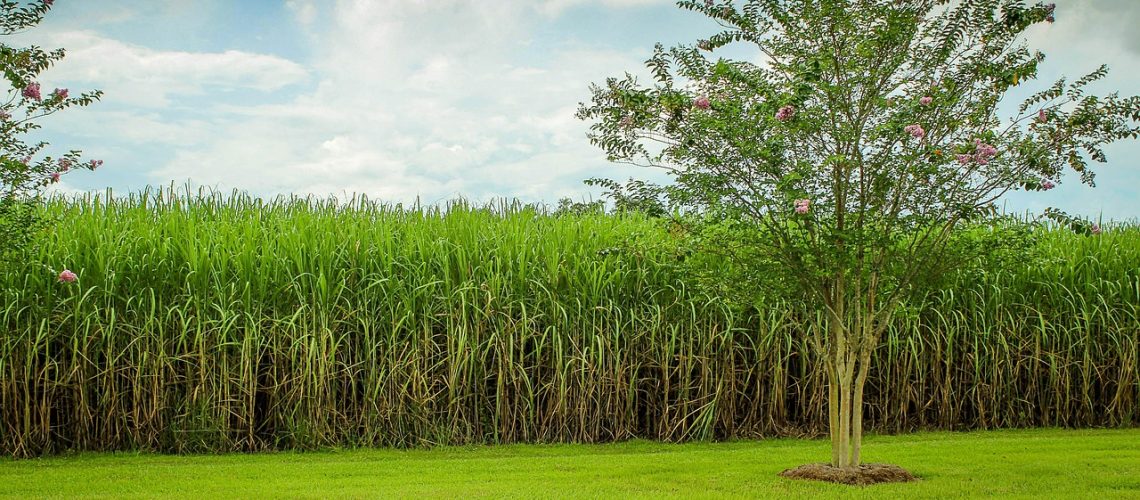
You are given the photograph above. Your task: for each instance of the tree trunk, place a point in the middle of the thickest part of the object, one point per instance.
(845, 401)
(847, 368)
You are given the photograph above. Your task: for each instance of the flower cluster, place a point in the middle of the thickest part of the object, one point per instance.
(32, 91)
(95, 164)
(983, 153)
(785, 113)
(925, 101)
(60, 94)
(915, 131)
(1095, 228)
(1041, 116)
(802, 206)
(1047, 184)
(702, 102)
(1050, 8)
(66, 276)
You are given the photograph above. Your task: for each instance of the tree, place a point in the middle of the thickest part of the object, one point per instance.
(24, 171)
(846, 159)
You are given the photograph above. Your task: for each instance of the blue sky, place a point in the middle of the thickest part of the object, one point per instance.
(428, 99)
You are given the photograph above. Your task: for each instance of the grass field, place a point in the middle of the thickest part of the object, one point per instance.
(1046, 463)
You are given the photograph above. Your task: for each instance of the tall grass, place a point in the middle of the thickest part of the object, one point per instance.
(214, 323)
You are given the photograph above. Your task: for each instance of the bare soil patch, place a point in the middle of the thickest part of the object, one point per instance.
(861, 476)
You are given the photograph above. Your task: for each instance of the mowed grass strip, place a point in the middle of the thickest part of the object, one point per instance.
(1046, 463)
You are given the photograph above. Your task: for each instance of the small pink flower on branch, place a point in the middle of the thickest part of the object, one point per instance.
(984, 152)
(925, 101)
(1095, 228)
(60, 94)
(915, 131)
(1041, 116)
(54, 177)
(702, 102)
(67, 277)
(95, 164)
(785, 113)
(964, 159)
(802, 206)
(1047, 185)
(4, 115)
(32, 91)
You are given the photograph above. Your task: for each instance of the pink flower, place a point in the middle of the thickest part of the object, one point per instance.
(802, 206)
(785, 113)
(49, 2)
(32, 91)
(915, 131)
(626, 122)
(95, 164)
(984, 152)
(4, 115)
(67, 277)
(964, 159)
(702, 102)
(1041, 116)
(64, 164)
(1047, 185)
(926, 100)
(54, 177)
(60, 94)
(1095, 228)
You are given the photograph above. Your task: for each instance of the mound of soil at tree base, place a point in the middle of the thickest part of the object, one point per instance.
(861, 476)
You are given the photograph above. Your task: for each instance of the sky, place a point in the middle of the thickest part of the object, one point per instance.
(428, 100)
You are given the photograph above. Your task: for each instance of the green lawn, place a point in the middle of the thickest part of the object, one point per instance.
(1030, 464)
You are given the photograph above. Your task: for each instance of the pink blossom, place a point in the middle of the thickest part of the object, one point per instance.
(54, 177)
(95, 164)
(926, 100)
(49, 2)
(1095, 228)
(915, 131)
(67, 277)
(626, 122)
(785, 113)
(60, 94)
(4, 115)
(1041, 116)
(964, 158)
(64, 164)
(702, 102)
(1047, 185)
(32, 91)
(802, 206)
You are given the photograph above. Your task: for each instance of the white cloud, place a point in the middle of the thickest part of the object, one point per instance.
(407, 105)
(148, 78)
